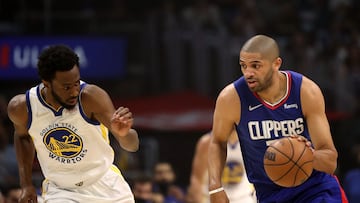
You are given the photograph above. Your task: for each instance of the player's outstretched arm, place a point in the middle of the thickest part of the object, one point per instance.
(25, 150)
(312, 101)
(98, 106)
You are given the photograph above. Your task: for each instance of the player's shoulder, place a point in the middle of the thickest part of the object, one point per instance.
(90, 89)
(92, 92)
(203, 143)
(17, 101)
(205, 138)
(17, 107)
(228, 93)
(228, 104)
(94, 98)
(309, 88)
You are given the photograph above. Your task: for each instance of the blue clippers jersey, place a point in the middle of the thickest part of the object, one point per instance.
(260, 124)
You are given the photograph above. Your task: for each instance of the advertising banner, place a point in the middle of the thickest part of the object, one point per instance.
(100, 58)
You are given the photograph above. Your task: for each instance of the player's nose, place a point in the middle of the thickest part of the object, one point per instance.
(248, 73)
(75, 91)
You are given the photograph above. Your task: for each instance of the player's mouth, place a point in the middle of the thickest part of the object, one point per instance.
(72, 101)
(251, 83)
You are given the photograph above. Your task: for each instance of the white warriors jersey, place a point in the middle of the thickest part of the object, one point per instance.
(72, 150)
(234, 179)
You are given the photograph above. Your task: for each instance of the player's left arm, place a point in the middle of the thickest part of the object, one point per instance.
(313, 104)
(98, 105)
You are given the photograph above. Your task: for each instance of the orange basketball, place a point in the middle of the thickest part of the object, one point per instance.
(288, 162)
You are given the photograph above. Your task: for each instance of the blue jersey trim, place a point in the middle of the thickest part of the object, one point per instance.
(41, 99)
(87, 119)
(29, 109)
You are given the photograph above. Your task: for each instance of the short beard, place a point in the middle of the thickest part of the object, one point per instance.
(58, 100)
(266, 83)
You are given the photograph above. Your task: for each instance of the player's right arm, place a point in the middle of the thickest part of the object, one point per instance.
(226, 114)
(25, 150)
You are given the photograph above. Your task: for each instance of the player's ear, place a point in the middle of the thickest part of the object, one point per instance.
(277, 63)
(46, 83)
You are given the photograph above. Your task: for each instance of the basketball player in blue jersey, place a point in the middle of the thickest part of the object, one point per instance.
(67, 121)
(266, 104)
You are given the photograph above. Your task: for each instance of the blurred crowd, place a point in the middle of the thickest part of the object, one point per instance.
(320, 38)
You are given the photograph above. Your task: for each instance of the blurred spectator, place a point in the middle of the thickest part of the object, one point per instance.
(164, 182)
(241, 21)
(333, 4)
(348, 78)
(8, 162)
(351, 180)
(143, 191)
(203, 15)
(311, 15)
(168, 16)
(353, 65)
(1, 197)
(3, 107)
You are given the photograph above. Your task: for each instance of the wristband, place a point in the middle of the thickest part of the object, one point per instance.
(216, 190)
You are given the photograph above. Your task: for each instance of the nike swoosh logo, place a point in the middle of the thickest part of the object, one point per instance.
(251, 108)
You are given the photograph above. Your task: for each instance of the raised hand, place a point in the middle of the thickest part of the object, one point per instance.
(121, 121)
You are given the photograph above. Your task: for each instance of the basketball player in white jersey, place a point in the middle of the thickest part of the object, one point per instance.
(234, 179)
(67, 121)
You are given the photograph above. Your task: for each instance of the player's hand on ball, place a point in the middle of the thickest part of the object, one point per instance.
(288, 161)
(303, 139)
(121, 121)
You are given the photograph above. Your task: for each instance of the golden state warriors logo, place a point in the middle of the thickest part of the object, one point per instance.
(63, 142)
(233, 172)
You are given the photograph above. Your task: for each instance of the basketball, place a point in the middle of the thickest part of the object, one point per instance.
(288, 162)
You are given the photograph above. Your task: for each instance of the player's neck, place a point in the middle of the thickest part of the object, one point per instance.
(276, 90)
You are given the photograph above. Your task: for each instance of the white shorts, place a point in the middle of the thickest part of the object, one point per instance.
(111, 188)
(244, 199)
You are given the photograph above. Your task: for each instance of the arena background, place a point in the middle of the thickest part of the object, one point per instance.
(168, 60)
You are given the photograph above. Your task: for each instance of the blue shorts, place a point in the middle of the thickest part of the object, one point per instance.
(321, 188)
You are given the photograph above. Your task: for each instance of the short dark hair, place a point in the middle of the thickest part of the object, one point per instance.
(56, 58)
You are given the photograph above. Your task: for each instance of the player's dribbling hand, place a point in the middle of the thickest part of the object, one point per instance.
(28, 195)
(303, 139)
(122, 121)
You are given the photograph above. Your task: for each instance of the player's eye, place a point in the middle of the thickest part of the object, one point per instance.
(256, 66)
(243, 66)
(66, 87)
